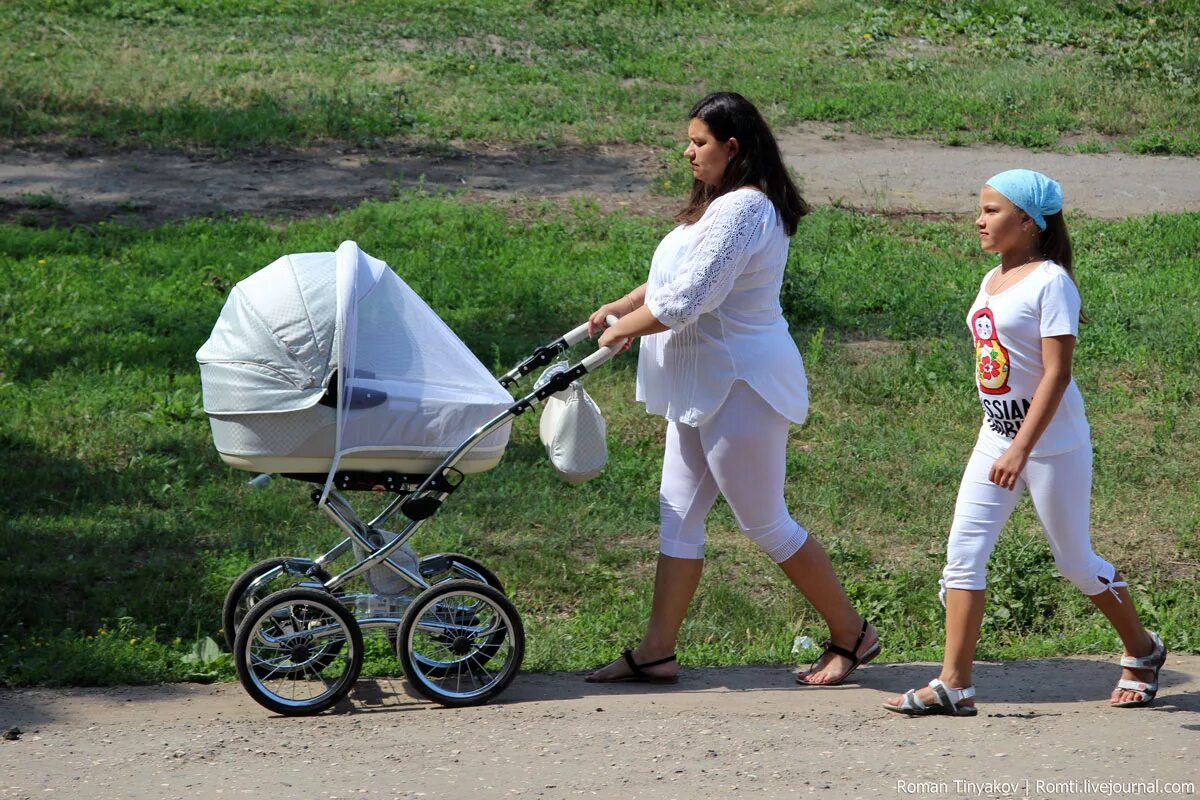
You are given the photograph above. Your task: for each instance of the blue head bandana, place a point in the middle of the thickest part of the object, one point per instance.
(1030, 191)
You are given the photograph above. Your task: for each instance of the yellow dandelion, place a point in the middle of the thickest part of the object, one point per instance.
(41, 262)
(132, 642)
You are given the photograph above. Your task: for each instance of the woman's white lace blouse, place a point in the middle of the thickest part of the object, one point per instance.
(716, 285)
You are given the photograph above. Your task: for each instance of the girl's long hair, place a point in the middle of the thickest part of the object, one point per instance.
(1055, 244)
(757, 163)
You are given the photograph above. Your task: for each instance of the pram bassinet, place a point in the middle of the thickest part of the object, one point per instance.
(326, 362)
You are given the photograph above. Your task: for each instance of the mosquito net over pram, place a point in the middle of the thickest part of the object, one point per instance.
(328, 362)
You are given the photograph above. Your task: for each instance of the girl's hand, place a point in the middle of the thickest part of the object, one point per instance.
(1007, 468)
(617, 308)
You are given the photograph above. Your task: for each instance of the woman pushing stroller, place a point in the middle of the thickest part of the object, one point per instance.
(717, 361)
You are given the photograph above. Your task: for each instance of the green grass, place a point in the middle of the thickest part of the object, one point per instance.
(234, 74)
(122, 530)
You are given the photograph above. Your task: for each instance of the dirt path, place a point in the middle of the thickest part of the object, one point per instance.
(894, 175)
(721, 733)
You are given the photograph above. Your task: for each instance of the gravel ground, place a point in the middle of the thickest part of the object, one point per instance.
(1044, 731)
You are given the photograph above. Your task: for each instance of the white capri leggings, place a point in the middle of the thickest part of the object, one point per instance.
(1061, 489)
(740, 452)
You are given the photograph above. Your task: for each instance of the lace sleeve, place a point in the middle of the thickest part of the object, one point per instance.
(720, 249)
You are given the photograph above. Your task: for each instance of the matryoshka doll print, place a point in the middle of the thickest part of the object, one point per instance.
(991, 359)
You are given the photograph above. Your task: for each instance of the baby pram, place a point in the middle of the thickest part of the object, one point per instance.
(328, 368)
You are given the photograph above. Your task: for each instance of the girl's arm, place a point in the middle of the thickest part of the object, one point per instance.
(1056, 361)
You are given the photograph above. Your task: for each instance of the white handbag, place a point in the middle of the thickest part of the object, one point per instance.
(573, 431)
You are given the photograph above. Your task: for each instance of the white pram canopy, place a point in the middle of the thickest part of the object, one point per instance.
(408, 391)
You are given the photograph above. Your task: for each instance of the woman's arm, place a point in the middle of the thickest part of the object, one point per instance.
(720, 246)
(638, 322)
(617, 308)
(1056, 363)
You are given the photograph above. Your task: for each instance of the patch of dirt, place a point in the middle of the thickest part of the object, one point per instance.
(39, 186)
(72, 183)
(915, 176)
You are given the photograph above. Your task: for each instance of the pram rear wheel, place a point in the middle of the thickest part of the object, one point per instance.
(461, 643)
(241, 597)
(444, 567)
(298, 651)
(439, 569)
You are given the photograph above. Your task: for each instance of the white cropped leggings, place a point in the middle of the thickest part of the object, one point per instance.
(1061, 489)
(740, 452)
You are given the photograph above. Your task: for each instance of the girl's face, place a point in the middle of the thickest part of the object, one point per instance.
(709, 157)
(1002, 226)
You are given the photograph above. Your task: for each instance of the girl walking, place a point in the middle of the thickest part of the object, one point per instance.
(1035, 436)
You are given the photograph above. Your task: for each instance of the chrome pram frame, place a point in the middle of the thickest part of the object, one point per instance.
(299, 650)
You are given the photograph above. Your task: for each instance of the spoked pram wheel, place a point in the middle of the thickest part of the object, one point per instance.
(461, 643)
(298, 651)
(444, 567)
(248, 589)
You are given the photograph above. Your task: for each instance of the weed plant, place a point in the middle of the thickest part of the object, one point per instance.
(122, 529)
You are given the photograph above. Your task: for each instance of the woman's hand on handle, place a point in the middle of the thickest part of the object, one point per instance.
(617, 308)
(608, 338)
(598, 321)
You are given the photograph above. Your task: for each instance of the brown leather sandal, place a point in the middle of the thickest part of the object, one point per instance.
(637, 673)
(852, 654)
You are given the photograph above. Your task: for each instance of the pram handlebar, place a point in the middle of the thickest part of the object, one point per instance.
(604, 354)
(576, 336)
(547, 353)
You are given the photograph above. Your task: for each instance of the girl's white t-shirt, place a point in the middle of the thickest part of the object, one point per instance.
(1007, 331)
(715, 284)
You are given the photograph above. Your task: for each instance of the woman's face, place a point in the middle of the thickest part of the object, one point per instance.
(1002, 226)
(709, 157)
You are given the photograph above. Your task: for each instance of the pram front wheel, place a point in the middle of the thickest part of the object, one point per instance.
(298, 651)
(461, 643)
(258, 581)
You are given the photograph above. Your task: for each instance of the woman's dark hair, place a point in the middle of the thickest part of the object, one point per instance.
(757, 162)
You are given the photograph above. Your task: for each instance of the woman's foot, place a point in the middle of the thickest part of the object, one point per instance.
(638, 666)
(834, 668)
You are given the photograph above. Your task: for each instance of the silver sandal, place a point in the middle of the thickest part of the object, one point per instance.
(1147, 689)
(948, 700)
